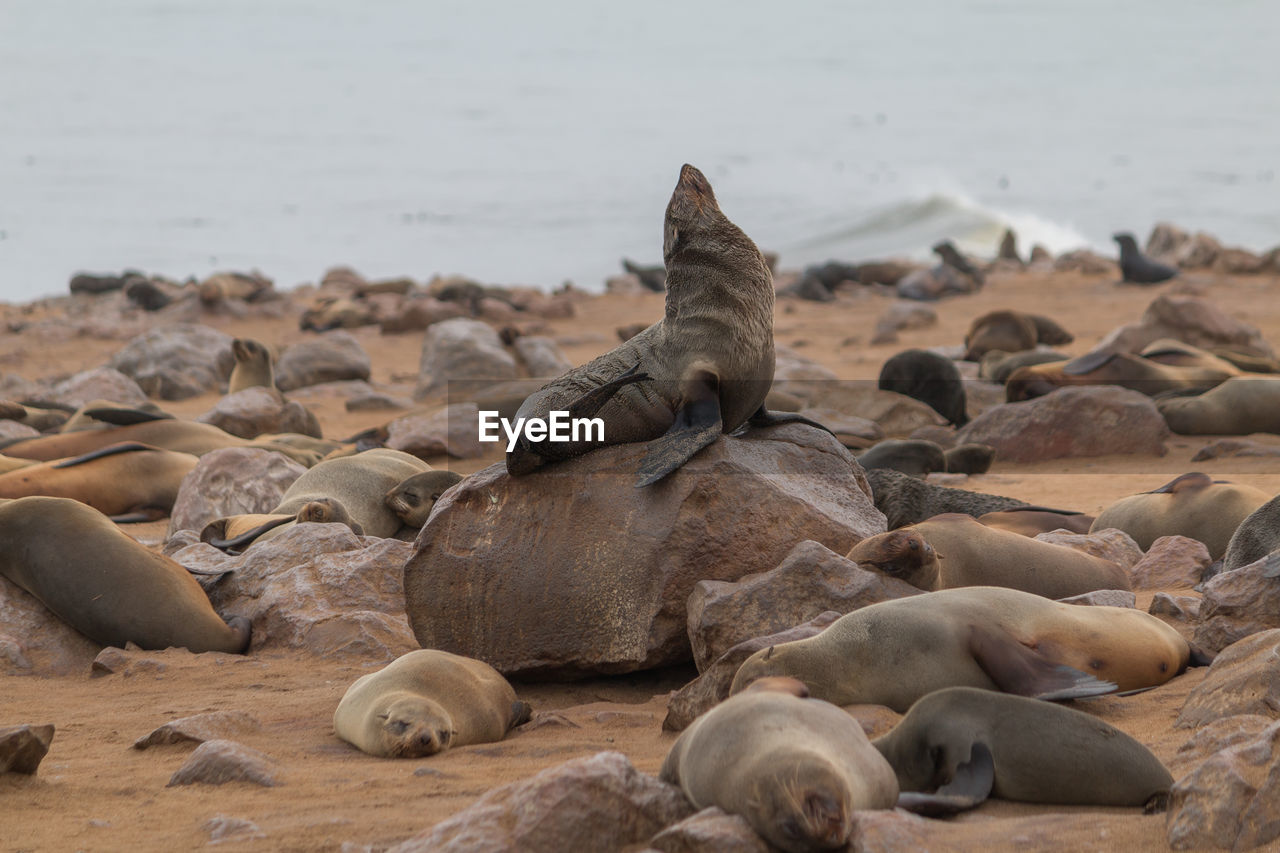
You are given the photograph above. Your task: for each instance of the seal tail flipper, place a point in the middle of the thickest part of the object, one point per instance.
(1017, 669)
(121, 416)
(244, 538)
(764, 418)
(697, 425)
(109, 450)
(971, 784)
(935, 805)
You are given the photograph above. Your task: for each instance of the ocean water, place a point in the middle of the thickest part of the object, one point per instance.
(538, 143)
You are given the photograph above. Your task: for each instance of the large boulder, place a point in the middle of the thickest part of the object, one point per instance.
(232, 481)
(572, 570)
(1172, 562)
(317, 587)
(1244, 679)
(596, 803)
(1232, 800)
(1093, 420)
(809, 580)
(541, 355)
(250, 412)
(1189, 319)
(177, 361)
(1109, 544)
(451, 430)
(331, 357)
(1239, 603)
(709, 831)
(101, 383)
(462, 350)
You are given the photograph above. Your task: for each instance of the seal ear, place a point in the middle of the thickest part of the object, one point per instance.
(1187, 482)
(521, 712)
(768, 654)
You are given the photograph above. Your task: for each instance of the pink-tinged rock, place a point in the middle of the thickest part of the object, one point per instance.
(1239, 603)
(232, 481)
(1109, 544)
(712, 686)
(1172, 562)
(37, 641)
(329, 357)
(250, 412)
(1189, 319)
(199, 728)
(572, 570)
(102, 383)
(1178, 608)
(1244, 679)
(462, 350)
(1231, 801)
(217, 762)
(710, 831)
(1104, 598)
(811, 579)
(177, 361)
(1081, 421)
(452, 430)
(596, 803)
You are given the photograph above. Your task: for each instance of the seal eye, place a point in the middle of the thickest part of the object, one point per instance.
(397, 727)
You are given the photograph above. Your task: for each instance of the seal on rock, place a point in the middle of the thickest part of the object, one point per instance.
(967, 553)
(795, 769)
(128, 481)
(1193, 505)
(105, 584)
(894, 652)
(253, 366)
(930, 378)
(1137, 268)
(425, 702)
(958, 746)
(702, 370)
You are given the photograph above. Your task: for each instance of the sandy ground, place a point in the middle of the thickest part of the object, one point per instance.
(94, 792)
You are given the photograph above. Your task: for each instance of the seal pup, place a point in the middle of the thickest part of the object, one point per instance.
(704, 369)
(425, 702)
(909, 455)
(1137, 268)
(1192, 505)
(253, 366)
(967, 553)
(1256, 537)
(1239, 406)
(128, 481)
(966, 744)
(796, 769)
(930, 378)
(894, 652)
(1011, 332)
(105, 584)
(413, 499)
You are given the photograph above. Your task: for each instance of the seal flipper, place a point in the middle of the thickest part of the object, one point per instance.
(126, 417)
(1184, 483)
(521, 713)
(1089, 362)
(971, 784)
(244, 538)
(764, 418)
(109, 450)
(591, 402)
(140, 515)
(697, 425)
(1019, 670)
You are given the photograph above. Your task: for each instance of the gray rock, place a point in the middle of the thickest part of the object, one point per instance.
(1179, 608)
(101, 383)
(177, 361)
(222, 828)
(199, 728)
(1244, 679)
(232, 481)
(597, 803)
(541, 355)
(217, 762)
(462, 350)
(896, 414)
(250, 412)
(1092, 420)
(1239, 603)
(1109, 544)
(452, 430)
(591, 575)
(321, 588)
(712, 686)
(811, 579)
(330, 357)
(1104, 598)
(22, 748)
(1172, 562)
(710, 831)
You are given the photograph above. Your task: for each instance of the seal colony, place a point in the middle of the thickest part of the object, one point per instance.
(975, 657)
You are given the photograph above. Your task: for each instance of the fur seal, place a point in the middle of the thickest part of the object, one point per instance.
(253, 366)
(906, 500)
(702, 370)
(894, 652)
(415, 497)
(1011, 332)
(967, 553)
(953, 275)
(1239, 406)
(930, 378)
(352, 488)
(105, 584)
(1256, 537)
(425, 702)
(1034, 520)
(129, 481)
(1137, 268)
(971, 458)
(997, 365)
(796, 769)
(1193, 505)
(909, 455)
(969, 744)
(1155, 371)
